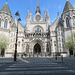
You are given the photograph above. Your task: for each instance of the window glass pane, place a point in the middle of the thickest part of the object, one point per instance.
(67, 22)
(0, 22)
(5, 24)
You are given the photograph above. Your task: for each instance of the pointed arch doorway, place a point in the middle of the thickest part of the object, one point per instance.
(37, 48)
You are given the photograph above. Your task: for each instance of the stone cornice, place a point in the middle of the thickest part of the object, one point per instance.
(6, 13)
(20, 36)
(6, 30)
(38, 23)
(70, 28)
(53, 36)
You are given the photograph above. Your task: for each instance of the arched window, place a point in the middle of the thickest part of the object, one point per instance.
(37, 30)
(0, 22)
(5, 24)
(67, 22)
(74, 21)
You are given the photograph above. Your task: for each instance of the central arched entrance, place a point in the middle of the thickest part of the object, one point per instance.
(37, 48)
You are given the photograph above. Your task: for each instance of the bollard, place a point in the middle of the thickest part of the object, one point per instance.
(37, 54)
(41, 54)
(62, 57)
(56, 57)
(21, 55)
(29, 54)
(49, 55)
(33, 55)
(45, 54)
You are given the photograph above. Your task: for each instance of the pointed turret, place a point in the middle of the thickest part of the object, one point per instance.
(58, 14)
(28, 14)
(28, 19)
(5, 8)
(68, 6)
(47, 14)
(47, 18)
(38, 8)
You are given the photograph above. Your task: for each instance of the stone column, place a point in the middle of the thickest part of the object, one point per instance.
(45, 47)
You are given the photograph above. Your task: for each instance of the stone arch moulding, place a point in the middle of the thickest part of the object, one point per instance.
(6, 18)
(39, 27)
(35, 41)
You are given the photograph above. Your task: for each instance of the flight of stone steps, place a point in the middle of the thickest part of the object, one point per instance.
(36, 66)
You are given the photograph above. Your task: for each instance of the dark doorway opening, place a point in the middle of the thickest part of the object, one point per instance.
(71, 52)
(37, 48)
(2, 52)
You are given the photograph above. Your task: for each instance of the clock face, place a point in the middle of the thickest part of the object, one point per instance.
(38, 17)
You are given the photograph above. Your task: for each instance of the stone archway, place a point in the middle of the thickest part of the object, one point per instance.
(33, 44)
(37, 48)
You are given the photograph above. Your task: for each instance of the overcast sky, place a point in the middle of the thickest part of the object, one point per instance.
(22, 6)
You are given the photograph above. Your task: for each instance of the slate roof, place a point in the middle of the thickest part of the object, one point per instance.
(68, 6)
(6, 8)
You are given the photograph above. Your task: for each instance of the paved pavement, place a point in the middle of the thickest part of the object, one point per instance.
(37, 66)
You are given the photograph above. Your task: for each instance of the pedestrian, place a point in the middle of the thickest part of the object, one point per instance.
(56, 57)
(62, 57)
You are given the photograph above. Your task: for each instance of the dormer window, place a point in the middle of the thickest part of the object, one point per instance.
(0, 22)
(5, 24)
(67, 22)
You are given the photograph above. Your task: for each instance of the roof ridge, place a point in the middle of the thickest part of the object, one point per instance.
(55, 20)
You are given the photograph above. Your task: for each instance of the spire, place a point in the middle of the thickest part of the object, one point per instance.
(5, 8)
(28, 10)
(38, 3)
(28, 14)
(47, 17)
(47, 10)
(68, 6)
(38, 8)
(47, 13)
(6, 1)
(58, 14)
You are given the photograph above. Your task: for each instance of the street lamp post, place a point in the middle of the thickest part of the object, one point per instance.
(15, 53)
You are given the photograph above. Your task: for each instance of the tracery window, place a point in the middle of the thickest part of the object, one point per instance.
(5, 24)
(37, 30)
(67, 22)
(0, 22)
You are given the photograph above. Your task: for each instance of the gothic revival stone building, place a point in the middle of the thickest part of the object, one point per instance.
(38, 36)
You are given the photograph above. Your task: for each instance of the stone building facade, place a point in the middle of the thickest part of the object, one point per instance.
(38, 36)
